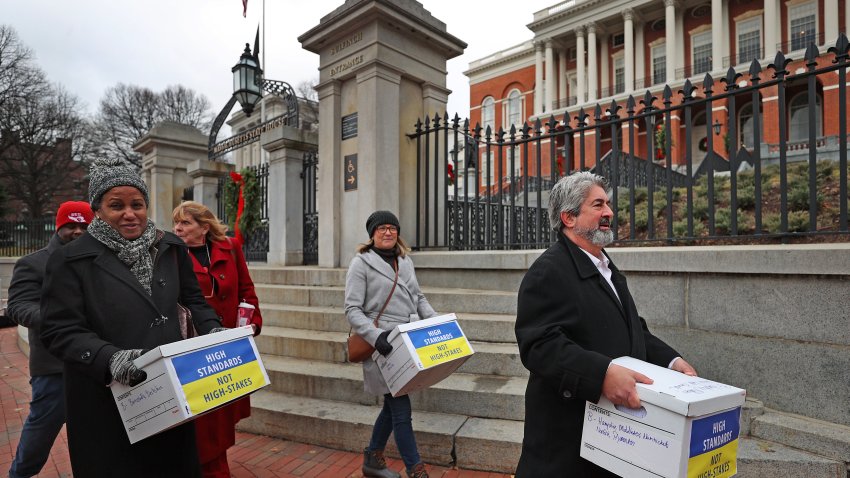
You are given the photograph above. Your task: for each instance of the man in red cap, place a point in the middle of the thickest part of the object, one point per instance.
(47, 409)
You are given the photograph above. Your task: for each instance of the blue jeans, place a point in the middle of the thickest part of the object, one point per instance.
(47, 415)
(395, 418)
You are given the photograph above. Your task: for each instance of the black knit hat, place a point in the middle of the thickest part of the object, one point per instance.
(106, 174)
(379, 218)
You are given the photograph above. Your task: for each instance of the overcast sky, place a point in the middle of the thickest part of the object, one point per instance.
(90, 45)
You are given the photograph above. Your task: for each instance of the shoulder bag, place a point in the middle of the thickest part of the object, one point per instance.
(358, 349)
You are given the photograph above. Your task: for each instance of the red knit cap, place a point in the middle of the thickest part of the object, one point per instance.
(74, 211)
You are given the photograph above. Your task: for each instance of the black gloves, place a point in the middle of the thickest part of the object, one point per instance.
(122, 369)
(382, 346)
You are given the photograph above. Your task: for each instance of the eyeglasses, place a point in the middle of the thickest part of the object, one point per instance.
(385, 229)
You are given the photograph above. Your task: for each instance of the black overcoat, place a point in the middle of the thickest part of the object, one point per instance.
(569, 326)
(93, 306)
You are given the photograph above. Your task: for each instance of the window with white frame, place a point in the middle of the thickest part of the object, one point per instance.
(659, 64)
(749, 40)
(701, 52)
(798, 127)
(489, 171)
(488, 113)
(802, 25)
(514, 113)
(619, 75)
(745, 124)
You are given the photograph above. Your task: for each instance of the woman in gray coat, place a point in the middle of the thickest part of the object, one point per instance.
(368, 285)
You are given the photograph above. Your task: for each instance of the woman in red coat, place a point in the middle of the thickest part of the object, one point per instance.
(223, 276)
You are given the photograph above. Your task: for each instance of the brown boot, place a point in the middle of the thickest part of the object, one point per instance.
(418, 471)
(375, 466)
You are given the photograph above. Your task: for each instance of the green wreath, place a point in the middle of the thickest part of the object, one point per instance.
(252, 212)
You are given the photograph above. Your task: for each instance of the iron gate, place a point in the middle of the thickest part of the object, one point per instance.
(309, 176)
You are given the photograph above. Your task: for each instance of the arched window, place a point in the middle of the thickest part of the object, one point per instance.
(488, 114)
(798, 127)
(746, 134)
(514, 110)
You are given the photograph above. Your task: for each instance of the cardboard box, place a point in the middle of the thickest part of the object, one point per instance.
(189, 378)
(686, 427)
(424, 353)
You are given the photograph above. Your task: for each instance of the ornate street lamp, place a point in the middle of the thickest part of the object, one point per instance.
(716, 127)
(248, 88)
(247, 78)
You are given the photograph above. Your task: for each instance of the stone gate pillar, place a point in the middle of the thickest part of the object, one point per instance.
(166, 151)
(205, 175)
(286, 147)
(382, 66)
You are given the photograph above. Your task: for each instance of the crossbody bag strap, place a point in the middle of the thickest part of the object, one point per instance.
(395, 281)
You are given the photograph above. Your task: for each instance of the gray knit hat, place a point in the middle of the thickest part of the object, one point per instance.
(379, 218)
(106, 174)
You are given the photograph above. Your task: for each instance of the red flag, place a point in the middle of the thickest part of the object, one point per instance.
(240, 205)
(244, 8)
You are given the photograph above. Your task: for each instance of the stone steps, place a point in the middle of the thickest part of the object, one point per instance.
(442, 438)
(489, 359)
(475, 443)
(484, 396)
(442, 299)
(479, 327)
(474, 415)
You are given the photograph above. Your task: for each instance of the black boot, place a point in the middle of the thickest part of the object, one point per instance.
(418, 471)
(375, 466)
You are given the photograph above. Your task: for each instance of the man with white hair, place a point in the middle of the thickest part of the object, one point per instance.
(574, 315)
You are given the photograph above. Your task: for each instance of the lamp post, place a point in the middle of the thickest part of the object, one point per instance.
(246, 87)
(716, 127)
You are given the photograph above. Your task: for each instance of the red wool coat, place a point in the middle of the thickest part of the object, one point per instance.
(215, 431)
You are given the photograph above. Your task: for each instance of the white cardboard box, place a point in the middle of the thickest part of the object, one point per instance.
(687, 427)
(424, 353)
(189, 378)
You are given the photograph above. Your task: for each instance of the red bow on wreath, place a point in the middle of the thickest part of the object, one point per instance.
(451, 174)
(240, 204)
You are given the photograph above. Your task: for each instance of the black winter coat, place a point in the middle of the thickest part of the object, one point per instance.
(93, 306)
(25, 305)
(569, 326)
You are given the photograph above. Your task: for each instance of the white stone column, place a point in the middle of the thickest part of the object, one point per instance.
(562, 75)
(670, 38)
(329, 200)
(830, 21)
(771, 33)
(550, 77)
(592, 64)
(538, 78)
(717, 36)
(629, 49)
(605, 59)
(640, 49)
(680, 39)
(580, 73)
(205, 175)
(286, 147)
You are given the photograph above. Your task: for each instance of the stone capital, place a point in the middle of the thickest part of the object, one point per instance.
(592, 28)
(671, 3)
(580, 31)
(628, 15)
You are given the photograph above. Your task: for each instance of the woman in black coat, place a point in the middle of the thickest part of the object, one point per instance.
(106, 300)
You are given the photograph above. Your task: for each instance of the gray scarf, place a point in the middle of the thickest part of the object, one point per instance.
(134, 253)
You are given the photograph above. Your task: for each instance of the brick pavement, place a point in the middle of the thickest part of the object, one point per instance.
(252, 456)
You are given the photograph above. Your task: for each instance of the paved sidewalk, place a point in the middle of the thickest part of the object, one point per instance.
(252, 456)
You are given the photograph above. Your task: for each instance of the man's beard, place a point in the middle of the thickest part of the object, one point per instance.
(595, 235)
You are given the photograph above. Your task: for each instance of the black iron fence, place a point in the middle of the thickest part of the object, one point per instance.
(19, 238)
(714, 191)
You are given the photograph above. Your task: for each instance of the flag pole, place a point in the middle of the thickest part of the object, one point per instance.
(263, 156)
